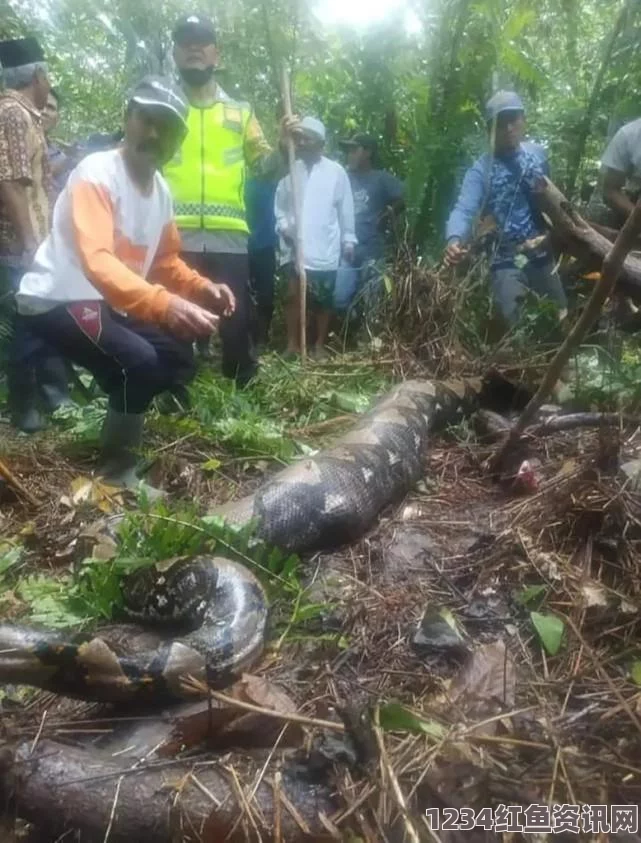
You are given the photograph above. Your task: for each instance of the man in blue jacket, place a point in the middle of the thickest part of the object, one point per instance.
(500, 184)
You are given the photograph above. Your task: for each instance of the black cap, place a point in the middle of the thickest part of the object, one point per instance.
(20, 51)
(360, 139)
(196, 27)
(161, 91)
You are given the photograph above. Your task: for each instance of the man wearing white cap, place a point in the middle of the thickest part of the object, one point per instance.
(328, 232)
(107, 287)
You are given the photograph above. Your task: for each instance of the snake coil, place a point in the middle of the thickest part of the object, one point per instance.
(206, 617)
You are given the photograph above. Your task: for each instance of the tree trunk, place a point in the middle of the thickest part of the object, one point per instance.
(580, 239)
(603, 289)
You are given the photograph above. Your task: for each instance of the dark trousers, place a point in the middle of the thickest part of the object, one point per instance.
(26, 348)
(132, 361)
(239, 358)
(262, 272)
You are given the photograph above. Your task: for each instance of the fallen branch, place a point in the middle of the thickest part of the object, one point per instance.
(609, 275)
(493, 427)
(16, 484)
(582, 240)
(558, 424)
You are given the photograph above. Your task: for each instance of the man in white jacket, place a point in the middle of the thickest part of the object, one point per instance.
(327, 222)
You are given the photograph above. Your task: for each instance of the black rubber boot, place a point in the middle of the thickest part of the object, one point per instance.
(53, 379)
(23, 398)
(121, 440)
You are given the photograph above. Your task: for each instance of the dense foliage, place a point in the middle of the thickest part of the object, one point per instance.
(420, 91)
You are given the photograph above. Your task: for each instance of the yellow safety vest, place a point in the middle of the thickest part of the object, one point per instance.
(207, 175)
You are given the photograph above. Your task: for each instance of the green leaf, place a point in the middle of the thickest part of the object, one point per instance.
(635, 672)
(530, 593)
(10, 558)
(517, 21)
(550, 631)
(211, 465)
(395, 718)
(351, 402)
(311, 610)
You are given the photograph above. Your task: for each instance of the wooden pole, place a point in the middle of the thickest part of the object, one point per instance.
(611, 269)
(300, 262)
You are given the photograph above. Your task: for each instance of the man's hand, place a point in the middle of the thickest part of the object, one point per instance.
(454, 253)
(288, 128)
(348, 252)
(189, 321)
(218, 298)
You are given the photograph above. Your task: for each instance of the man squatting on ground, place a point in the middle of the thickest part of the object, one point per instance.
(107, 287)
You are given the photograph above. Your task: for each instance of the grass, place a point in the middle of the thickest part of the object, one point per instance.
(266, 420)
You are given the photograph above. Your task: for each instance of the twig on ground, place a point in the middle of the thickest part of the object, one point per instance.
(16, 484)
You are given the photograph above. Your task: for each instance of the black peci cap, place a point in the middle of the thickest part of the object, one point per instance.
(20, 51)
(195, 28)
(360, 139)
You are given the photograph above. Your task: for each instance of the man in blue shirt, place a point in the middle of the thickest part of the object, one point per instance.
(500, 184)
(261, 245)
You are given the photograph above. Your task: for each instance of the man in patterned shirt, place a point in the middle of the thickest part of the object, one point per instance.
(500, 184)
(24, 221)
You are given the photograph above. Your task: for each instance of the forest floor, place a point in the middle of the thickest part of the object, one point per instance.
(489, 632)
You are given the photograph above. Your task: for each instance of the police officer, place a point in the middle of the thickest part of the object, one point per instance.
(207, 179)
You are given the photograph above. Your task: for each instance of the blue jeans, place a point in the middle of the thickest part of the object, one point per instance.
(510, 283)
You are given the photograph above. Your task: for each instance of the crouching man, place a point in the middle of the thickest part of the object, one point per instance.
(107, 287)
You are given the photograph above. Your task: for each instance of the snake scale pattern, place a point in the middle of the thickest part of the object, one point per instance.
(206, 617)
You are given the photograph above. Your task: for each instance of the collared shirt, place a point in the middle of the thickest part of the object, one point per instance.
(23, 158)
(327, 214)
(501, 186)
(262, 161)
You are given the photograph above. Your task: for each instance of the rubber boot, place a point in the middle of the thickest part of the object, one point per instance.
(121, 439)
(23, 398)
(53, 380)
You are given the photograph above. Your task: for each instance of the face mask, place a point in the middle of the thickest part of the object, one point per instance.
(196, 77)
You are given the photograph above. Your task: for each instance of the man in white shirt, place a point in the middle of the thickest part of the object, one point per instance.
(327, 221)
(620, 186)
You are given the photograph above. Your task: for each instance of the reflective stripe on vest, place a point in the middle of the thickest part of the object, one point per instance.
(207, 175)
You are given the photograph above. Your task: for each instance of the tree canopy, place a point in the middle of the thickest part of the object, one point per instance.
(421, 92)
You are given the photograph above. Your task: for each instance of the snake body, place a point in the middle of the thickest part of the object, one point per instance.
(334, 497)
(203, 617)
(206, 617)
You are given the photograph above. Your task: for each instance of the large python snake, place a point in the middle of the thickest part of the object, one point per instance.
(206, 617)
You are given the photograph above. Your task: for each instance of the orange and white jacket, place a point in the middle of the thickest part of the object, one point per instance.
(109, 241)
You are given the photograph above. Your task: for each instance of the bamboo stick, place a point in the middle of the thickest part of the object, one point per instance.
(298, 243)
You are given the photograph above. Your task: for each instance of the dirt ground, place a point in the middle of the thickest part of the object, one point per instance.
(433, 610)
